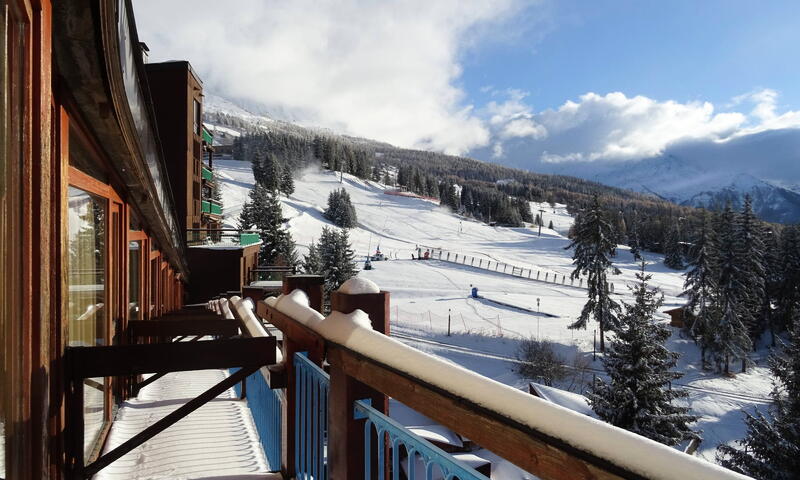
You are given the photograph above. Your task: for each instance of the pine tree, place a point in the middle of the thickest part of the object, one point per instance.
(247, 216)
(266, 171)
(550, 225)
(340, 209)
(772, 281)
(700, 287)
(336, 258)
(312, 263)
(287, 182)
(750, 253)
(731, 339)
(637, 396)
(771, 448)
(278, 247)
(594, 247)
(673, 257)
(788, 295)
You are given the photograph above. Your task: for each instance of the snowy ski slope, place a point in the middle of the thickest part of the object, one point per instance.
(484, 333)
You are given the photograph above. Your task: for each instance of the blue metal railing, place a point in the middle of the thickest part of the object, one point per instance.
(266, 407)
(416, 448)
(311, 419)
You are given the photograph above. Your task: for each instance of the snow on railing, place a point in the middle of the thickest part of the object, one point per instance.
(570, 439)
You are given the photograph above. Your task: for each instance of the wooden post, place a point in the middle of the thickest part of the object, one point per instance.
(376, 305)
(310, 284)
(347, 435)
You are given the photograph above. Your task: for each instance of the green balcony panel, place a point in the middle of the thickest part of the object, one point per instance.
(207, 137)
(216, 209)
(206, 174)
(205, 207)
(248, 239)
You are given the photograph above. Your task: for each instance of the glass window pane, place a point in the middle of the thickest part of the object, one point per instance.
(134, 263)
(87, 302)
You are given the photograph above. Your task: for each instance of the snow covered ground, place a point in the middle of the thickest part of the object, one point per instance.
(218, 440)
(485, 334)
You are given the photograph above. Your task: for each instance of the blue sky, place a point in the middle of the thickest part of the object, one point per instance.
(679, 50)
(529, 83)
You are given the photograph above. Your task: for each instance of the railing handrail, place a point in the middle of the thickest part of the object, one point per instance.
(238, 230)
(542, 438)
(414, 444)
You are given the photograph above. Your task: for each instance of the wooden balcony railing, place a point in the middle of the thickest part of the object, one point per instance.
(337, 427)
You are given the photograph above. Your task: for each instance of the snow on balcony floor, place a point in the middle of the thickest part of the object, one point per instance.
(218, 440)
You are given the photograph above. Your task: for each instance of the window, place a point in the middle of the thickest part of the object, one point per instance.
(134, 284)
(198, 124)
(87, 309)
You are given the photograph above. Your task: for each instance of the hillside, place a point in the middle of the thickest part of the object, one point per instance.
(486, 331)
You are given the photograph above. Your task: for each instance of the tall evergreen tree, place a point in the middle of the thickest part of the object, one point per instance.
(637, 396)
(750, 253)
(594, 247)
(700, 286)
(673, 255)
(340, 209)
(771, 447)
(788, 295)
(633, 236)
(731, 338)
(278, 247)
(336, 258)
(287, 182)
(312, 263)
(772, 281)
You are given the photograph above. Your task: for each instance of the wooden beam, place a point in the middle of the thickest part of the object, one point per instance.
(167, 421)
(116, 360)
(179, 327)
(533, 451)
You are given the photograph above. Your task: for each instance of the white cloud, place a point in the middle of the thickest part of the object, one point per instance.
(615, 127)
(383, 70)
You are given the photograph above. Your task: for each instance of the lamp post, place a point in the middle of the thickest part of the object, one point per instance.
(541, 221)
(538, 319)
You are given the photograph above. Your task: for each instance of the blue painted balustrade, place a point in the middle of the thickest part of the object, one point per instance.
(435, 462)
(266, 407)
(311, 419)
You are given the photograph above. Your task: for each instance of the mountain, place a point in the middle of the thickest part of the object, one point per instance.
(686, 182)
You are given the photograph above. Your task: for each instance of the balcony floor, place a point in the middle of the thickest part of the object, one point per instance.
(218, 440)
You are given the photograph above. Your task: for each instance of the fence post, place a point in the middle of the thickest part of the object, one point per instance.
(529, 273)
(448, 256)
(480, 262)
(472, 263)
(346, 435)
(537, 274)
(312, 286)
(546, 274)
(456, 258)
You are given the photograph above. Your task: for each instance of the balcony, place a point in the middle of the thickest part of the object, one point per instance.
(221, 237)
(211, 207)
(321, 407)
(207, 137)
(206, 174)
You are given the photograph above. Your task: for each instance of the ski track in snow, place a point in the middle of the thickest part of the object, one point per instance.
(422, 300)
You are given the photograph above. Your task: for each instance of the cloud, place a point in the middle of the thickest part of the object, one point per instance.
(615, 127)
(383, 70)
